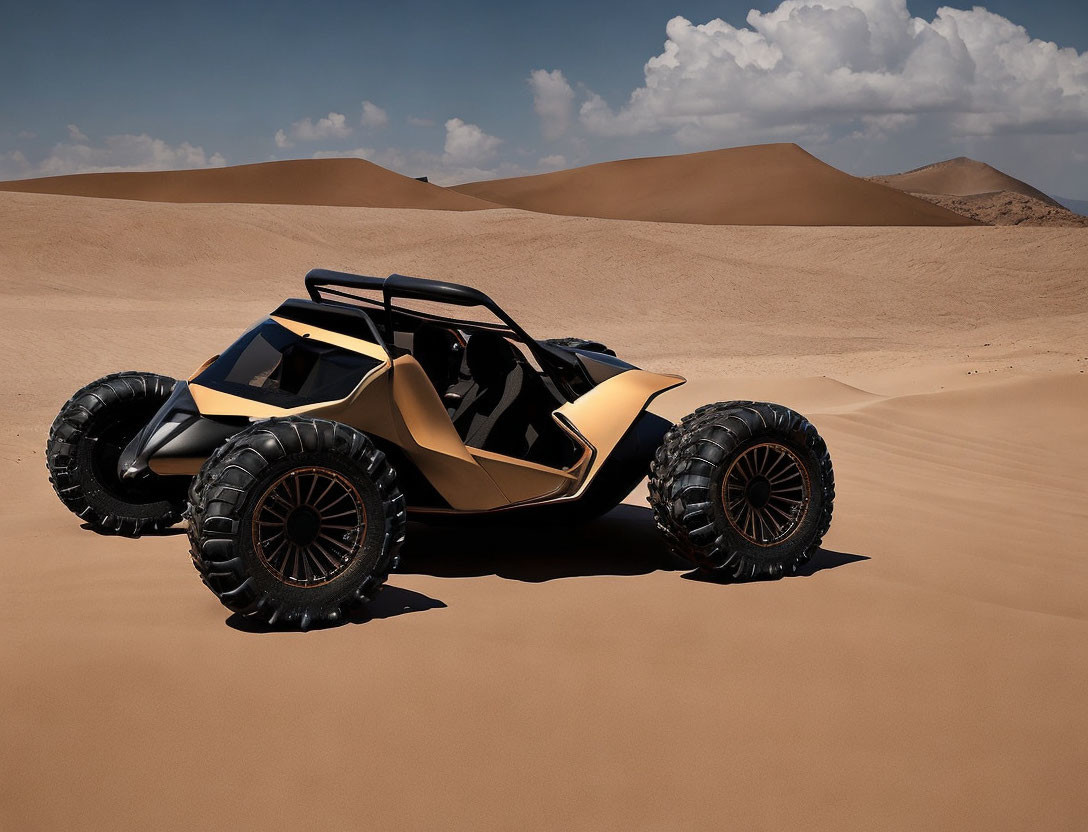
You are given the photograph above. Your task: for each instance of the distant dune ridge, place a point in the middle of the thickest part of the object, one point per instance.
(345, 182)
(771, 184)
(982, 192)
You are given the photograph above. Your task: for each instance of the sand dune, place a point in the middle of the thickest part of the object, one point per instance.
(959, 177)
(773, 184)
(352, 182)
(926, 672)
(983, 193)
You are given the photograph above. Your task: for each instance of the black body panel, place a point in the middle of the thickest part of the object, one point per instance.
(274, 365)
(599, 366)
(177, 430)
(335, 317)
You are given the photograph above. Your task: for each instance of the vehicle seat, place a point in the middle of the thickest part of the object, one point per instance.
(438, 353)
(493, 415)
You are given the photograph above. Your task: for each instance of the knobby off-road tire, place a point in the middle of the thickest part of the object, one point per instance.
(743, 489)
(295, 520)
(85, 442)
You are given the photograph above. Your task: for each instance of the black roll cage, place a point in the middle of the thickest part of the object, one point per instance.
(323, 285)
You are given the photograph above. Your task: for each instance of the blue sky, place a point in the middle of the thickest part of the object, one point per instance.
(860, 83)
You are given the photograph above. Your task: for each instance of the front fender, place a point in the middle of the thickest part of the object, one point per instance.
(177, 440)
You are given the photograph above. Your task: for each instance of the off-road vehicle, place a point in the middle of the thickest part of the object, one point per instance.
(299, 453)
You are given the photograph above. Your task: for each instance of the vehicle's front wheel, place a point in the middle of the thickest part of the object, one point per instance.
(743, 489)
(295, 520)
(85, 443)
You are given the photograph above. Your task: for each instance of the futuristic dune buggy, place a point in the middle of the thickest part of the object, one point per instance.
(299, 453)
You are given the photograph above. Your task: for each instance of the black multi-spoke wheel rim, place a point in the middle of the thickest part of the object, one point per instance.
(309, 526)
(765, 492)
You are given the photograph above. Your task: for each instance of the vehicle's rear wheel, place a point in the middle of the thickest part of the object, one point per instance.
(85, 442)
(295, 520)
(743, 489)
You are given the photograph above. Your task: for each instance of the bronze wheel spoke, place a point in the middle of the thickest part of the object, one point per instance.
(266, 540)
(279, 517)
(785, 515)
(340, 544)
(788, 500)
(310, 493)
(341, 514)
(789, 475)
(276, 550)
(775, 469)
(333, 562)
(321, 496)
(324, 507)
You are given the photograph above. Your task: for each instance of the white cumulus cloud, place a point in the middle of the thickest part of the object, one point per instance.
(124, 152)
(75, 134)
(373, 115)
(866, 65)
(553, 100)
(332, 126)
(467, 144)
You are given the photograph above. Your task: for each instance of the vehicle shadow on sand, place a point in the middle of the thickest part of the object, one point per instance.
(623, 542)
(390, 602)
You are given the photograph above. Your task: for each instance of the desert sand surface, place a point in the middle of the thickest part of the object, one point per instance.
(983, 193)
(353, 182)
(769, 184)
(927, 671)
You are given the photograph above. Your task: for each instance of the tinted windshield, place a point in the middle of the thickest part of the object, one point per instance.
(274, 365)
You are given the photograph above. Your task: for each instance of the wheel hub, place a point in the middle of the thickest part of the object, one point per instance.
(303, 525)
(765, 493)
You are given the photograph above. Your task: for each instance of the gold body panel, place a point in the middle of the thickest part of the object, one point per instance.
(397, 402)
(603, 415)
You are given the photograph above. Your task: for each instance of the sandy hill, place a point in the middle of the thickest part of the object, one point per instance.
(983, 193)
(773, 184)
(960, 177)
(345, 182)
